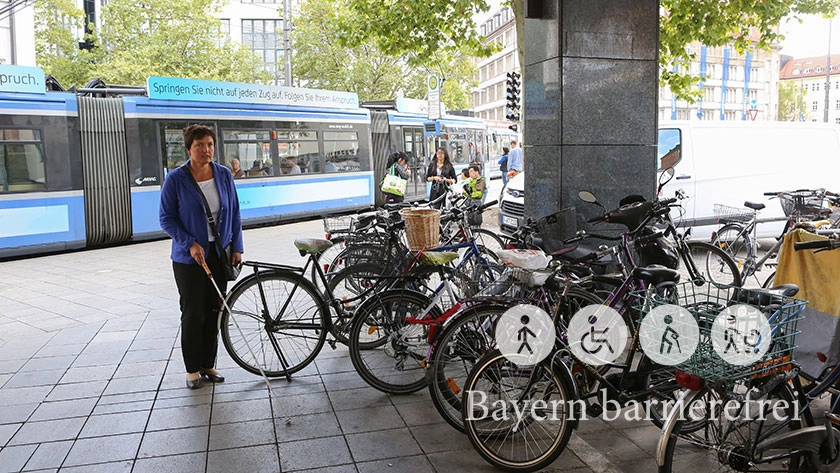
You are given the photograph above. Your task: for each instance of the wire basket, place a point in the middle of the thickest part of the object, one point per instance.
(513, 282)
(706, 302)
(726, 214)
(339, 224)
(554, 229)
(802, 203)
(422, 228)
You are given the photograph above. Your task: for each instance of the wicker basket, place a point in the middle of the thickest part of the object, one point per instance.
(422, 228)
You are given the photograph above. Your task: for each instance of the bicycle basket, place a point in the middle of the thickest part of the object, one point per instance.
(422, 228)
(726, 213)
(706, 303)
(802, 203)
(339, 224)
(555, 228)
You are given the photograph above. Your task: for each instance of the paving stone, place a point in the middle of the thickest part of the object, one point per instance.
(179, 417)
(369, 419)
(307, 427)
(141, 369)
(89, 373)
(242, 434)
(48, 363)
(123, 407)
(463, 460)
(18, 396)
(103, 450)
(419, 413)
(189, 463)
(49, 455)
(12, 459)
(302, 404)
(315, 453)
(113, 424)
(64, 409)
(241, 411)
(262, 458)
(132, 385)
(25, 379)
(17, 413)
(382, 444)
(110, 467)
(62, 392)
(335, 365)
(174, 442)
(7, 431)
(48, 431)
(415, 464)
(440, 438)
(358, 398)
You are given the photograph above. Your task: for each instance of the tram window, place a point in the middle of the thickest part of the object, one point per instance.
(252, 148)
(298, 151)
(456, 144)
(21, 161)
(174, 152)
(341, 149)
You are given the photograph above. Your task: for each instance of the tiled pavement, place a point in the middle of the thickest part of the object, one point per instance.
(91, 380)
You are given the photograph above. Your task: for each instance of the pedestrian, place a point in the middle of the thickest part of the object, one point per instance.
(397, 164)
(183, 217)
(236, 169)
(441, 174)
(514, 159)
(503, 165)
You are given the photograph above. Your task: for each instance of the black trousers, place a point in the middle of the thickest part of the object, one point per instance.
(199, 311)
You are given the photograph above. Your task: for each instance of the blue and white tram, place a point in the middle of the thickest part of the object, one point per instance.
(80, 171)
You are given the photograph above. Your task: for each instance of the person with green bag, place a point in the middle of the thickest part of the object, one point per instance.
(397, 166)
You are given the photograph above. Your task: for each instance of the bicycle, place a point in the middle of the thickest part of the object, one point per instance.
(738, 233)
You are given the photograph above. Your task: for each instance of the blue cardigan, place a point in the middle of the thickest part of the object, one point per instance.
(183, 217)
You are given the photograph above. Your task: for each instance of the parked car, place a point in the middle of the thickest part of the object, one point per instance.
(512, 204)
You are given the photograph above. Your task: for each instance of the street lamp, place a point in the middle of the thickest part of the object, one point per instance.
(801, 94)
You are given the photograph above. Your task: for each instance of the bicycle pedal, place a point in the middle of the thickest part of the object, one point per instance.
(332, 343)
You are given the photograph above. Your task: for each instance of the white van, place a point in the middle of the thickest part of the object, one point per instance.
(732, 162)
(720, 162)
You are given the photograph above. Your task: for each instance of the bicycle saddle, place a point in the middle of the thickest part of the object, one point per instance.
(754, 205)
(312, 245)
(764, 297)
(656, 274)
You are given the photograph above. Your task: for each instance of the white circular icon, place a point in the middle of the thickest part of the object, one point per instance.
(741, 334)
(525, 334)
(669, 334)
(597, 334)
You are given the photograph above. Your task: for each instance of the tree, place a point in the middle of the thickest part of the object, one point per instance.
(152, 37)
(59, 28)
(792, 106)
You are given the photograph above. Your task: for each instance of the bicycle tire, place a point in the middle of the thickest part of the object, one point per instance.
(299, 337)
(387, 353)
(735, 240)
(713, 264)
(326, 258)
(770, 281)
(724, 444)
(347, 284)
(489, 240)
(535, 442)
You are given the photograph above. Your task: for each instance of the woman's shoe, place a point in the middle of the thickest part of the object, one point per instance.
(194, 384)
(213, 378)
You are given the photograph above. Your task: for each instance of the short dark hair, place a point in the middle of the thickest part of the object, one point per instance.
(505, 150)
(475, 168)
(196, 132)
(512, 142)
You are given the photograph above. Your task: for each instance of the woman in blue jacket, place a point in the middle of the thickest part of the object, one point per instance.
(183, 217)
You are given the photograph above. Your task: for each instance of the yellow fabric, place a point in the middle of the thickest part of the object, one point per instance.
(817, 275)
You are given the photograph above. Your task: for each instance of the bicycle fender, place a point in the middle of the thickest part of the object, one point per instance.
(565, 372)
(809, 439)
(685, 399)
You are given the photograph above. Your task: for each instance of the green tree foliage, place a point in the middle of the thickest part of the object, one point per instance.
(792, 102)
(59, 28)
(139, 39)
(718, 23)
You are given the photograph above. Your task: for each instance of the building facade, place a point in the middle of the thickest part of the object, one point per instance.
(490, 97)
(734, 86)
(820, 84)
(17, 32)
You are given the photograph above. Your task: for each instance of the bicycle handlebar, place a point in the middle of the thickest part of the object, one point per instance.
(817, 245)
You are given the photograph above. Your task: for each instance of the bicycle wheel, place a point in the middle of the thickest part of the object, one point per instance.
(728, 439)
(770, 281)
(712, 264)
(282, 335)
(346, 286)
(355, 253)
(542, 394)
(736, 241)
(488, 240)
(388, 353)
(326, 258)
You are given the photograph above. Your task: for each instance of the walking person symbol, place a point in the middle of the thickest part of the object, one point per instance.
(673, 334)
(522, 334)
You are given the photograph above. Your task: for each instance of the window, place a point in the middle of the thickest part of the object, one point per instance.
(224, 29)
(341, 149)
(669, 145)
(264, 38)
(807, 70)
(814, 106)
(298, 151)
(820, 69)
(837, 104)
(252, 148)
(21, 161)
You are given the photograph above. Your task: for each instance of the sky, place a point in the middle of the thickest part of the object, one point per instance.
(809, 38)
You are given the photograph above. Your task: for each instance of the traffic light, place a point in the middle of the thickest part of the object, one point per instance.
(513, 92)
(514, 127)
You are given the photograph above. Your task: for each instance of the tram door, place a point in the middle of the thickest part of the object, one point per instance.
(413, 141)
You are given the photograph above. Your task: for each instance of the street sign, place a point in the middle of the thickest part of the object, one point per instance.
(753, 113)
(434, 97)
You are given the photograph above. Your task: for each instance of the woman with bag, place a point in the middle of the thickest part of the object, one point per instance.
(441, 174)
(397, 166)
(199, 209)
(503, 161)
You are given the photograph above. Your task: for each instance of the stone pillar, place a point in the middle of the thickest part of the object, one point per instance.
(590, 102)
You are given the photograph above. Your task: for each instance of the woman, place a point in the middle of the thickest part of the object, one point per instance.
(503, 165)
(183, 217)
(397, 164)
(441, 174)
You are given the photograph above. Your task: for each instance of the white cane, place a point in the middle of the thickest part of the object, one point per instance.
(242, 334)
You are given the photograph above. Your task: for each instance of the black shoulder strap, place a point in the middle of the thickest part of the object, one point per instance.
(210, 220)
